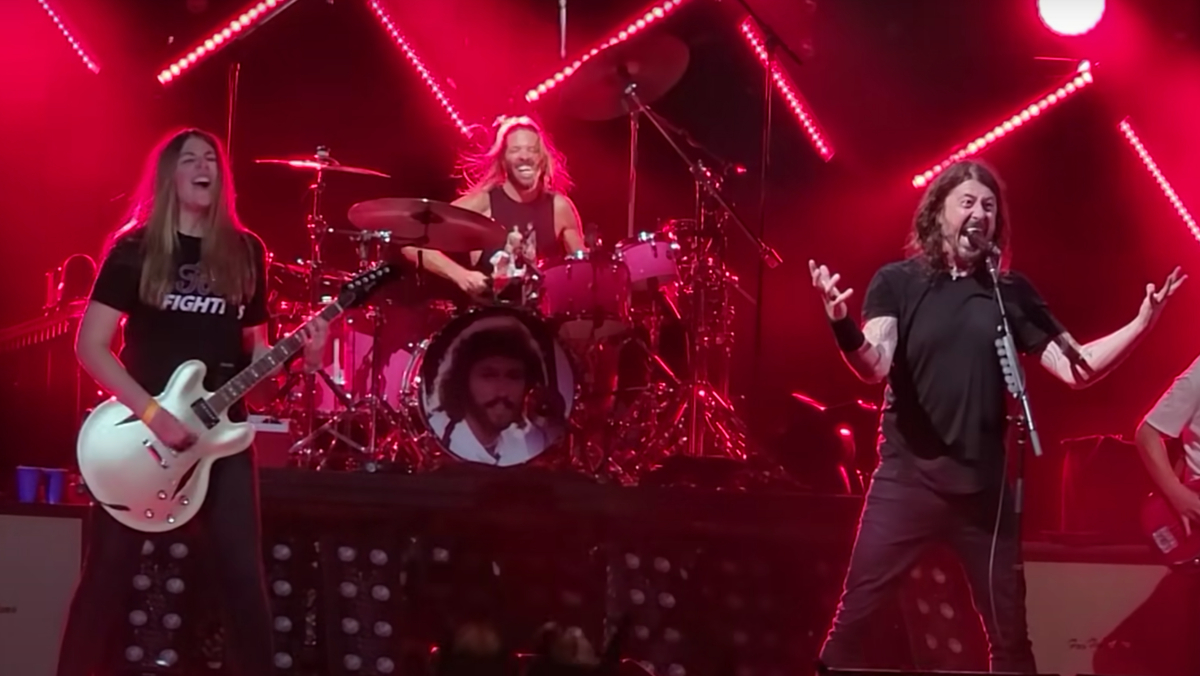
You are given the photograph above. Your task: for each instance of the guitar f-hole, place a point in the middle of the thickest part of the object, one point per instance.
(183, 480)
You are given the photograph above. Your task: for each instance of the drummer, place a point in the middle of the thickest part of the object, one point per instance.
(520, 181)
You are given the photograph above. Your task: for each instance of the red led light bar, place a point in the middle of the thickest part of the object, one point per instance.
(1163, 183)
(1081, 79)
(254, 15)
(75, 46)
(787, 89)
(430, 81)
(654, 13)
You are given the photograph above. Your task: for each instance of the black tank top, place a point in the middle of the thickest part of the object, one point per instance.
(534, 220)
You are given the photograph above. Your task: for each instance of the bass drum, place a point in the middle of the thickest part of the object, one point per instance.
(495, 386)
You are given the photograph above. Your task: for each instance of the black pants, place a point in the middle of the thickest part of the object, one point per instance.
(899, 519)
(232, 551)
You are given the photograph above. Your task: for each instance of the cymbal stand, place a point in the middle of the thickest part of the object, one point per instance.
(317, 228)
(631, 225)
(707, 407)
(316, 225)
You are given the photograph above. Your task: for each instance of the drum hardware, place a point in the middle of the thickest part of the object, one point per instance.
(316, 272)
(428, 224)
(596, 92)
(705, 408)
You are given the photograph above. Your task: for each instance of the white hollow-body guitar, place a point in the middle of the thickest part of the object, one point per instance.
(150, 487)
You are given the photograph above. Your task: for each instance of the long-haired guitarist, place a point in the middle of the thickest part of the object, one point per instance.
(189, 282)
(1176, 415)
(930, 332)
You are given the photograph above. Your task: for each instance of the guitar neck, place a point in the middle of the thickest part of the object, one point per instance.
(252, 375)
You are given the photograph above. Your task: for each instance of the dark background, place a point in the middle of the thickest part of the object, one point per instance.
(897, 85)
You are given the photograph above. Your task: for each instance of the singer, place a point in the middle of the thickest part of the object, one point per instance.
(930, 330)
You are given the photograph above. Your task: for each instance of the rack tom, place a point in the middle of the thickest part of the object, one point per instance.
(587, 296)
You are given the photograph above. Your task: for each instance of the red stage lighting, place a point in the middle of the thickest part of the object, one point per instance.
(75, 46)
(1082, 78)
(430, 81)
(1163, 183)
(653, 13)
(787, 89)
(1070, 17)
(254, 15)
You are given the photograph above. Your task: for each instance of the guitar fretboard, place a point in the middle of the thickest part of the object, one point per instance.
(252, 375)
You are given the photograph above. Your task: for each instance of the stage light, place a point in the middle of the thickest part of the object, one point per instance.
(293, 583)
(75, 46)
(1165, 185)
(650, 15)
(160, 594)
(431, 82)
(944, 628)
(787, 89)
(1070, 17)
(253, 16)
(1082, 78)
(362, 600)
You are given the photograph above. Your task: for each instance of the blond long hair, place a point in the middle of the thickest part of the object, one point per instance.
(226, 253)
(483, 169)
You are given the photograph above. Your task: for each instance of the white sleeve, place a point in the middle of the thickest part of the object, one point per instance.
(1178, 404)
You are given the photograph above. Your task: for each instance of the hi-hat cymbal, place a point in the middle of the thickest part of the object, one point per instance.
(596, 91)
(321, 163)
(429, 224)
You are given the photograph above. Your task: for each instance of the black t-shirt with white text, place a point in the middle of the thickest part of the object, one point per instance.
(192, 321)
(945, 408)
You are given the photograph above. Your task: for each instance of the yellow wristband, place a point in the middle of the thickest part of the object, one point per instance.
(151, 409)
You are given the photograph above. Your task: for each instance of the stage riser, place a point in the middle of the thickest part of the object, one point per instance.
(713, 580)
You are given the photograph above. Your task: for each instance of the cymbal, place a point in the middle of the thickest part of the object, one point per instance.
(321, 163)
(429, 224)
(302, 268)
(596, 91)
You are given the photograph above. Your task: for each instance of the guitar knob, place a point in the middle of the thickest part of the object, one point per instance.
(183, 500)
(162, 495)
(170, 519)
(149, 513)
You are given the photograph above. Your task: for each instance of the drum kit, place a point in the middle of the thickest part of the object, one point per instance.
(579, 373)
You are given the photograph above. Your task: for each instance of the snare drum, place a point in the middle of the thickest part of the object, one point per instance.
(494, 386)
(650, 257)
(586, 296)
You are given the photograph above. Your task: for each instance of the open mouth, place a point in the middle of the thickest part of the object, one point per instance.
(202, 181)
(525, 171)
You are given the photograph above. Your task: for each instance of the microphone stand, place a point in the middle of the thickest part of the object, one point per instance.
(701, 398)
(1014, 377)
(704, 180)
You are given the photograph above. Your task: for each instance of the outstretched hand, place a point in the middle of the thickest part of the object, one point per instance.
(1156, 298)
(833, 298)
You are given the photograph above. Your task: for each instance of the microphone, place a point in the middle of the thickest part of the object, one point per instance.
(978, 239)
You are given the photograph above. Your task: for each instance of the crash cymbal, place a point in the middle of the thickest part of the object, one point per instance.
(321, 162)
(596, 90)
(428, 223)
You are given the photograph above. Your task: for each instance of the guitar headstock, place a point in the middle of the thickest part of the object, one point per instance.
(355, 291)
